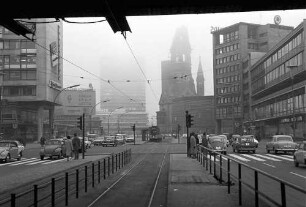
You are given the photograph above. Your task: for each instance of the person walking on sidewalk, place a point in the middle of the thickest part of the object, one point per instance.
(42, 141)
(193, 144)
(69, 148)
(76, 143)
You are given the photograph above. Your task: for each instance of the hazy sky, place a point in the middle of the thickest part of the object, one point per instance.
(95, 48)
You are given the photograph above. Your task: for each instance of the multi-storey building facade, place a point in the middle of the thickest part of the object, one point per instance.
(230, 46)
(278, 83)
(32, 78)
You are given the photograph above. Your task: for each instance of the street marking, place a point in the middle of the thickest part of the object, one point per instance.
(53, 161)
(269, 165)
(288, 156)
(34, 163)
(252, 157)
(268, 158)
(284, 158)
(22, 160)
(238, 157)
(34, 160)
(298, 175)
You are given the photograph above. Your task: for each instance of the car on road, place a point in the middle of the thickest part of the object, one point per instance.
(217, 144)
(53, 148)
(98, 141)
(299, 155)
(281, 143)
(86, 142)
(129, 139)
(234, 138)
(252, 136)
(10, 149)
(109, 141)
(120, 138)
(244, 143)
(225, 139)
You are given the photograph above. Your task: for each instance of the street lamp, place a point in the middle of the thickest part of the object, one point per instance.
(109, 116)
(52, 118)
(91, 112)
(291, 67)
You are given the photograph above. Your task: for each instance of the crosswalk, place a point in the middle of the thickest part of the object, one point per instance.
(255, 157)
(30, 162)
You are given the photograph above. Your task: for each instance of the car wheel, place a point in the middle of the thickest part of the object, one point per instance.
(42, 157)
(296, 164)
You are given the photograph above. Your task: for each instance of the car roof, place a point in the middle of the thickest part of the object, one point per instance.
(282, 135)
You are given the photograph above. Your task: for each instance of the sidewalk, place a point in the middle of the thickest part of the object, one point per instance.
(191, 185)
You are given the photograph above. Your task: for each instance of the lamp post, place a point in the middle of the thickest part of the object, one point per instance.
(1, 92)
(109, 116)
(91, 112)
(63, 89)
(291, 67)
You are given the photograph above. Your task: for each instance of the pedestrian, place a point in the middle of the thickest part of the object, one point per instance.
(69, 148)
(76, 143)
(193, 144)
(42, 141)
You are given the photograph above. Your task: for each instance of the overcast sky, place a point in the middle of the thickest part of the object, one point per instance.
(94, 48)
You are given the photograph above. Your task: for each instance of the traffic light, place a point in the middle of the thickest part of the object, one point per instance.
(133, 127)
(80, 123)
(190, 120)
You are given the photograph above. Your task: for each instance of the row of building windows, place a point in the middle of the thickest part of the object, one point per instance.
(227, 59)
(228, 69)
(283, 69)
(228, 37)
(225, 100)
(19, 90)
(17, 61)
(228, 89)
(228, 112)
(226, 49)
(228, 79)
(7, 44)
(282, 108)
(277, 72)
(19, 75)
(284, 50)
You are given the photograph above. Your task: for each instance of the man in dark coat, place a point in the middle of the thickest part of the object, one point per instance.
(76, 143)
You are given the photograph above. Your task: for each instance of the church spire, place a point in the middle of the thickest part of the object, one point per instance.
(200, 80)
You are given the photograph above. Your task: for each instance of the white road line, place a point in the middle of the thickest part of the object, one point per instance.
(34, 163)
(54, 161)
(279, 157)
(269, 165)
(266, 157)
(34, 160)
(298, 175)
(22, 160)
(238, 157)
(288, 156)
(252, 157)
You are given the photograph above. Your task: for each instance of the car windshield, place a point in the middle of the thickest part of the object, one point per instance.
(4, 144)
(247, 139)
(53, 142)
(216, 139)
(284, 139)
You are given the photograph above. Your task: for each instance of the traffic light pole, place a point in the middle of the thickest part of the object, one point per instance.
(83, 151)
(134, 129)
(188, 137)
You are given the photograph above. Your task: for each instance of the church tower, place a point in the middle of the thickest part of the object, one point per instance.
(200, 80)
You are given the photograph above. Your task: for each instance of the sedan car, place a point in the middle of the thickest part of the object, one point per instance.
(282, 143)
(253, 137)
(244, 143)
(299, 156)
(53, 148)
(217, 144)
(98, 141)
(129, 139)
(10, 149)
(109, 140)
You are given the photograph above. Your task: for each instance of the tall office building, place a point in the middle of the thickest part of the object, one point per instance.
(230, 46)
(32, 78)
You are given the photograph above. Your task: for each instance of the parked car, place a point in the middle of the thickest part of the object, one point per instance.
(109, 140)
(53, 148)
(282, 143)
(234, 138)
(86, 142)
(225, 139)
(244, 143)
(129, 139)
(10, 149)
(299, 156)
(217, 144)
(120, 138)
(252, 136)
(98, 141)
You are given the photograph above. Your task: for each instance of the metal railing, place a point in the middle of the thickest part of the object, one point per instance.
(72, 182)
(208, 158)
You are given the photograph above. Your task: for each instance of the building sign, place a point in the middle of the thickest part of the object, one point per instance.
(55, 85)
(53, 54)
(81, 98)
